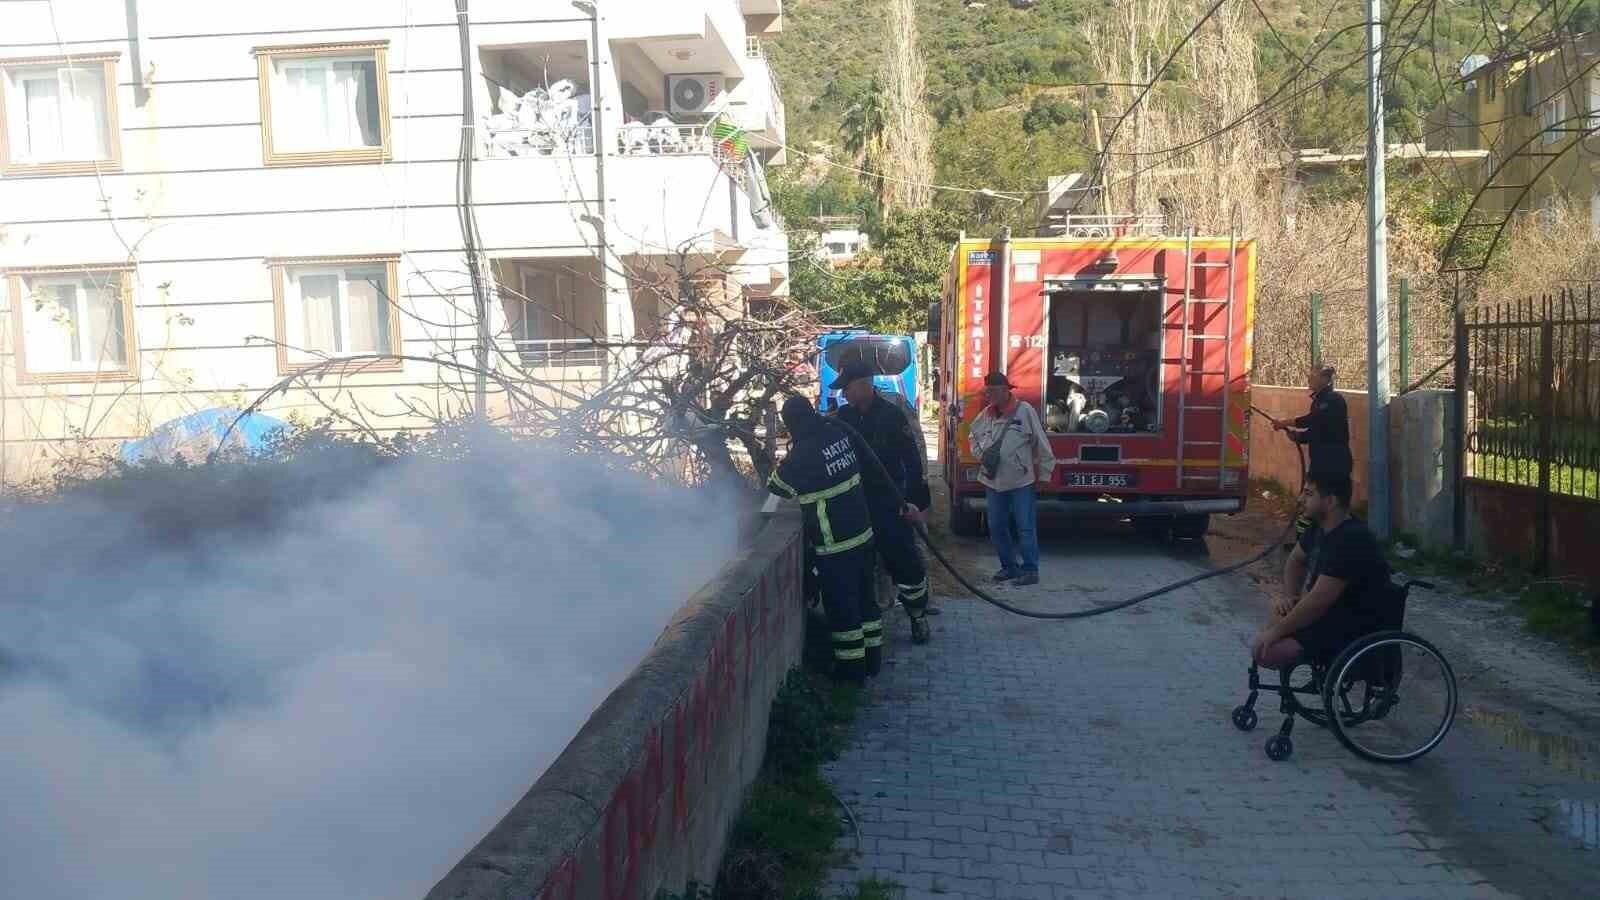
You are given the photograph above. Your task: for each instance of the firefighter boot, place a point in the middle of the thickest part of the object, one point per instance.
(850, 671)
(921, 632)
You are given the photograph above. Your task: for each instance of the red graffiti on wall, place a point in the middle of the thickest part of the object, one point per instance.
(658, 795)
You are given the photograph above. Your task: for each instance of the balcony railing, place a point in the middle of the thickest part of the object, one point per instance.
(1097, 226)
(516, 142)
(573, 352)
(665, 139)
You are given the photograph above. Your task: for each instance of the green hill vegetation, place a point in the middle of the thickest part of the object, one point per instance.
(1010, 93)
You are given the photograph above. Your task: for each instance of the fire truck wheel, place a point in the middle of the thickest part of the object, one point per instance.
(1152, 528)
(1191, 528)
(964, 521)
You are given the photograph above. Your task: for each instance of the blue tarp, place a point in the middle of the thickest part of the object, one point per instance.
(197, 435)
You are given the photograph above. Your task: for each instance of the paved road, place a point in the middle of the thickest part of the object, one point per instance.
(1017, 759)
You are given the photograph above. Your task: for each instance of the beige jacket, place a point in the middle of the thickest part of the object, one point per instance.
(1025, 455)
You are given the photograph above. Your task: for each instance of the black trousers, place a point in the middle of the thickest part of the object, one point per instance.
(845, 582)
(896, 543)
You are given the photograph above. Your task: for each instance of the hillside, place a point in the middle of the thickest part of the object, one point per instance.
(1001, 79)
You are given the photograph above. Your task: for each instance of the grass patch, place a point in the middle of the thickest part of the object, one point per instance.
(1558, 610)
(782, 845)
(1550, 608)
(1578, 481)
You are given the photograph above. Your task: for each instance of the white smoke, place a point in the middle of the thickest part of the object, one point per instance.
(338, 705)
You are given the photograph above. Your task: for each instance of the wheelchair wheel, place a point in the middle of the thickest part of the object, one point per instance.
(1390, 697)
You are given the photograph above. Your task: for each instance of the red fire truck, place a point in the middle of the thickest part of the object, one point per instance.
(1136, 350)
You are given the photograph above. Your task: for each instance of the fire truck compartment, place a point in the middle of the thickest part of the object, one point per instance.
(1104, 359)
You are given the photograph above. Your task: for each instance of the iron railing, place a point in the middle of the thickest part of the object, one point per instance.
(1533, 380)
(573, 352)
(1108, 226)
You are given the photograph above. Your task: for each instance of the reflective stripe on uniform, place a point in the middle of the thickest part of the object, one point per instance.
(913, 591)
(844, 637)
(851, 654)
(781, 485)
(830, 493)
(823, 523)
(873, 632)
(842, 546)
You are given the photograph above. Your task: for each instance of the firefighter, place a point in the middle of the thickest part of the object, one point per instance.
(895, 506)
(823, 472)
(1324, 430)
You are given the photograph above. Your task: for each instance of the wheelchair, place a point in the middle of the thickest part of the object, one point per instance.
(1389, 696)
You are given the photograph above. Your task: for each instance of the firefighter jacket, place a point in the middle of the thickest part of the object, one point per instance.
(823, 472)
(888, 432)
(1327, 434)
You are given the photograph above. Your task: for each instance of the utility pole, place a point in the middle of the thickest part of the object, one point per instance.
(1377, 289)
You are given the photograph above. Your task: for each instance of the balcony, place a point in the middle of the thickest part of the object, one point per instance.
(554, 312)
(686, 36)
(756, 103)
(540, 100)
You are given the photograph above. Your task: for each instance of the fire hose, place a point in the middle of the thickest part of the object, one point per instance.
(922, 532)
(933, 548)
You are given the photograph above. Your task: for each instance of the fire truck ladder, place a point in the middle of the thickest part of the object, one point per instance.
(1195, 344)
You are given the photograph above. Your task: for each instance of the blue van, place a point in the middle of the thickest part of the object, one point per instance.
(893, 357)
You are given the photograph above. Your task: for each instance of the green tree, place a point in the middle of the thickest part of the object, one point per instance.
(890, 288)
(863, 126)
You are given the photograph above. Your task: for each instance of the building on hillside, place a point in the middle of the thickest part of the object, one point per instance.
(201, 200)
(1529, 113)
(841, 239)
(1071, 206)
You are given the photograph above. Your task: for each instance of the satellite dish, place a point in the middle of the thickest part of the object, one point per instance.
(1473, 63)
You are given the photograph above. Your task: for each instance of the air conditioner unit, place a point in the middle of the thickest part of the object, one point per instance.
(693, 94)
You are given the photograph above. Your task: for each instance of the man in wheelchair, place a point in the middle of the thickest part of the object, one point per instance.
(1349, 584)
(1347, 627)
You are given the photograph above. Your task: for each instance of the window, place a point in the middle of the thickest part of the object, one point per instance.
(1594, 102)
(1553, 119)
(549, 308)
(324, 104)
(73, 324)
(336, 307)
(1491, 86)
(59, 115)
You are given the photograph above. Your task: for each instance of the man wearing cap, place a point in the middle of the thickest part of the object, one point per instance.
(823, 472)
(1022, 458)
(900, 501)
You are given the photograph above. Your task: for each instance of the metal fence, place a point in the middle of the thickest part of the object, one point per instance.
(1532, 369)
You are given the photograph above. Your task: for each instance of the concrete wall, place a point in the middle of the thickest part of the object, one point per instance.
(1502, 519)
(643, 797)
(1420, 428)
(1503, 522)
(1273, 456)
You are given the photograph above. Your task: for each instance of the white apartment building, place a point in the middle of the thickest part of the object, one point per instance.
(841, 240)
(199, 200)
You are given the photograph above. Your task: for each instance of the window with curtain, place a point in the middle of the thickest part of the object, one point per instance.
(59, 114)
(324, 106)
(1553, 119)
(336, 310)
(74, 323)
(549, 307)
(1594, 101)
